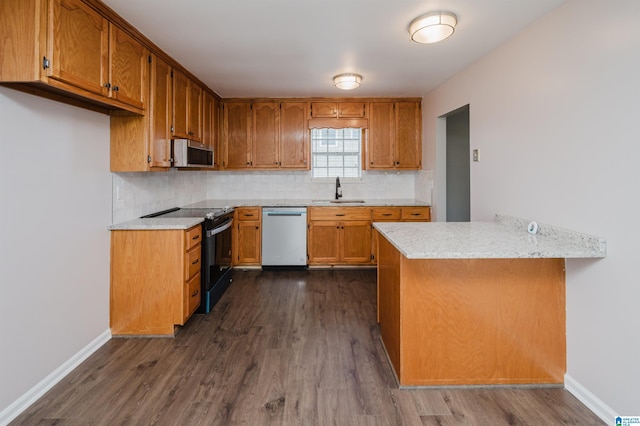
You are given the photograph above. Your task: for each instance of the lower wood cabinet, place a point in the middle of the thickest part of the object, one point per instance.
(339, 235)
(248, 236)
(155, 280)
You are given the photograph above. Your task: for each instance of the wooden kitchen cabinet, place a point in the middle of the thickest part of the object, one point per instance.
(338, 109)
(396, 214)
(248, 236)
(394, 138)
(237, 135)
(155, 280)
(72, 52)
(339, 235)
(265, 135)
(143, 143)
(211, 128)
(294, 135)
(187, 108)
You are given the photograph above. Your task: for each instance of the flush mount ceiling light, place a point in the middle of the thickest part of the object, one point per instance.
(432, 27)
(347, 81)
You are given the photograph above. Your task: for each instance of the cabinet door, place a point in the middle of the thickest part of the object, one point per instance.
(351, 109)
(180, 105)
(160, 114)
(249, 243)
(294, 135)
(128, 62)
(381, 136)
(207, 119)
(324, 242)
(194, 111)
(356, 242)
(324, 109)
(78, 46)
(408, 140)
(266, 134)
(217, 133)
(237, 135)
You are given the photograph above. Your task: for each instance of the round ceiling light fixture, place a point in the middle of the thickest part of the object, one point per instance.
(347, 81)
(433, 27)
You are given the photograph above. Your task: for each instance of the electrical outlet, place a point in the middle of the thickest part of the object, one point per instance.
(476, 155)
(119, 193)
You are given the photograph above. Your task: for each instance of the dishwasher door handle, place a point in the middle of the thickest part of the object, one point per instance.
(283, 214)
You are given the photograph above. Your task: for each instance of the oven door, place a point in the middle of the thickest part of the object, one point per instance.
(217, 253)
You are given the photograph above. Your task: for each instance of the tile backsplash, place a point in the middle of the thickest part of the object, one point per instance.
(137, 194)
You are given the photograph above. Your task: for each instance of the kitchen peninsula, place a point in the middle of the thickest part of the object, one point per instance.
(480, 303)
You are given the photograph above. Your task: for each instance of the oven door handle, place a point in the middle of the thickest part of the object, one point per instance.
(220, 229)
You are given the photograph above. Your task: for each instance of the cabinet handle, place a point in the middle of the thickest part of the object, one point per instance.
(416, 214)
(257, 227)
(386, 214)
(116, 88)
(397, 162)
(196, 237)
(107, 85)
(195, 261)
(195, 293)
(340, 214)
(372, 163)
(248, 214)
(337, 227)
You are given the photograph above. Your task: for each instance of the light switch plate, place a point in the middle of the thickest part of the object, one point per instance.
(476, 155)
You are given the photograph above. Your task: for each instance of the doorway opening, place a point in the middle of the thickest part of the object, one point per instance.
(458, 166)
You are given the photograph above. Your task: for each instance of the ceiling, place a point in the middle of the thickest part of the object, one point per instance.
(293, 48)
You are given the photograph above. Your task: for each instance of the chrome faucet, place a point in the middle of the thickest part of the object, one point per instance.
(338, 189)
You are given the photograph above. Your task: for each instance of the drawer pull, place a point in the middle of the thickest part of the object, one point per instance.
(195, 261)
(195, 293)
(416, 214)
(340, 214)
(386, 214)
(196, 237)
(248, 214)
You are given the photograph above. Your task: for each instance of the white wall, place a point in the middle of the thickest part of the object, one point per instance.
(555, 113)
(55, 195)
(143, 193)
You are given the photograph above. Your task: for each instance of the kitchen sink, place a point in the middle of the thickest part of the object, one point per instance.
(337, 201)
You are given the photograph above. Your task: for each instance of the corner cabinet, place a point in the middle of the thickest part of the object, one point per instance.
(394, 138)
(69, 50)
(143, 143)
(155, 280)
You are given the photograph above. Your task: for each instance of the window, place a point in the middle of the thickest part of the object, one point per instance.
(336, 152)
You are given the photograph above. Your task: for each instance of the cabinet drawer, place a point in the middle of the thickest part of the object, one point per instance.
(193, 236)
(386, 213)
(193, 262)
(249, 213)
(339, 213)
(416, 213)
(193, 295)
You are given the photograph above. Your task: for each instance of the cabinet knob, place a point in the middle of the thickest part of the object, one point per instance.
(116, 88)
(397, 162)
(107, 85)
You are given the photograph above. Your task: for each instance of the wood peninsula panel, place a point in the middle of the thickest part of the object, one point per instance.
(474, 321)
(146, 300)
(389, 300)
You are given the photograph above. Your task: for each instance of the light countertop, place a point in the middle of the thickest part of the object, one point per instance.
(507, 237)
(160, 223)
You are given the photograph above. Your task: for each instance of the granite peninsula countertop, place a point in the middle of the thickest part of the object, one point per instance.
(160, 223)
(507, 237)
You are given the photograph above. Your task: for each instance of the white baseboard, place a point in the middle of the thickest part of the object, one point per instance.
(595, 404)
(32, 395)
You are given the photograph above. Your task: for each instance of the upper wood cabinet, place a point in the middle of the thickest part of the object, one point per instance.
(187, 108)
(143, 143)
(294, 135)
(69, 49)
(337, 109)
(237, 135)
(266, 135)
(211, 125)
(394, 138)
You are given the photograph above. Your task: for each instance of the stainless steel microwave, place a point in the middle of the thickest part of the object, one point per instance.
(187, 153)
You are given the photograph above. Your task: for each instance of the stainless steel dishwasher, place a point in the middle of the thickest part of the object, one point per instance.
(284, 237)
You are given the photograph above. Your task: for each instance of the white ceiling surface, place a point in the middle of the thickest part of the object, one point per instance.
(293, 48)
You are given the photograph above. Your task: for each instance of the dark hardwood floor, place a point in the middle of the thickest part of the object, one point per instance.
(285, 348)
